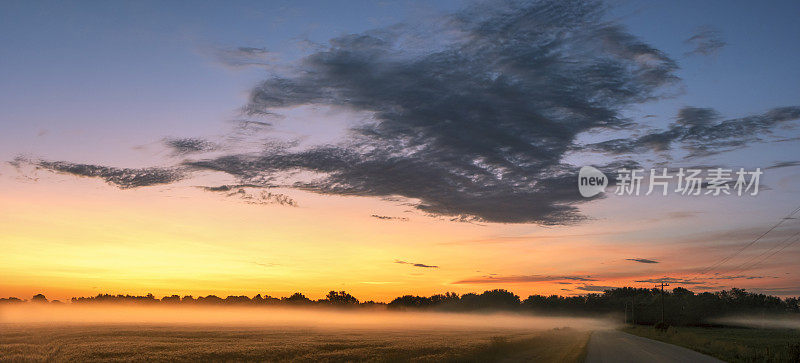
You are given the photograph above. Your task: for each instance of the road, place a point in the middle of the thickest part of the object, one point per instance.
(616, 346)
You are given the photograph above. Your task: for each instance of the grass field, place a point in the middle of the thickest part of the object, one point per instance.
(96, 342)
(731, 344)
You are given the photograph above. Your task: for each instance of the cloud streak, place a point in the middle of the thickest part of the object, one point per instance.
(595, 288)
(389, 218)
(246, 193)
(523, 279)
(415, 264)
(641, 260)
(240, 57)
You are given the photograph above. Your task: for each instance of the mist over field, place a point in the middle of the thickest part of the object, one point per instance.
(286, 317)
(102, 332)
(775, 322)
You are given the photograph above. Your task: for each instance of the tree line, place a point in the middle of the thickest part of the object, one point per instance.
(639, 305)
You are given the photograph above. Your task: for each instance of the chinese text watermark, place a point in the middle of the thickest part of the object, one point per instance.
(684, 181)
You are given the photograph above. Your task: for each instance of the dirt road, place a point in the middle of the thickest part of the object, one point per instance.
(616, 346)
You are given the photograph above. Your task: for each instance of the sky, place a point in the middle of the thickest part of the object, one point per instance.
(391, 148)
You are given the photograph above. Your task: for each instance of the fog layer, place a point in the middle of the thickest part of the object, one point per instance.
(300, 317)
(785, 322)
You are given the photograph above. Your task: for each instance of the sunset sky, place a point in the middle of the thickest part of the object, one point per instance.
(390, 148)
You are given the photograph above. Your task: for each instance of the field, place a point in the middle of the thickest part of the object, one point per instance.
(731, 344)
(95, 342)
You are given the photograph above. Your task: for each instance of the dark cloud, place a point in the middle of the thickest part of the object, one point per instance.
(642, 260)
(702, 131)
(416, 264)
(189, 145)
(595, 288)
(706, 41)
(474, 125)
(523, 278)
(389, 218)
(124, 178)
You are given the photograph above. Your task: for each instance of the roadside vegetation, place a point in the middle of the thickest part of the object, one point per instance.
(731, 344)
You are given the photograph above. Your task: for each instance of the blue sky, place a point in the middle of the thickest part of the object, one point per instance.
(149, 68)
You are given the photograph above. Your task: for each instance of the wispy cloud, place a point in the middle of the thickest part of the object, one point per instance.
(253, 194)
(702, 132)
(705, 41)
(239, 57)
(415, 264)
(389, 218)
(522, 278)
(595, 288)
(784, 164)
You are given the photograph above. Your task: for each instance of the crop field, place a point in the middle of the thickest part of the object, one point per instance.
(148, 342)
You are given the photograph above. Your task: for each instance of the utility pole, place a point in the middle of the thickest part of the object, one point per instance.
(662, 299)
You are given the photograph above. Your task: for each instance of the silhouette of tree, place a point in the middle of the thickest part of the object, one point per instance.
(174, 299)
(210, 300)
(296, 299)
(340, 298)
(681, 305)
(237, 300)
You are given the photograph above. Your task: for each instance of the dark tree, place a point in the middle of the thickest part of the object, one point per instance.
(340, 298)
(296, 299)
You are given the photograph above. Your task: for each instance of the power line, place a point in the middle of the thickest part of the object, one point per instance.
(736, 269)
(728, 258)
(770, 256)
